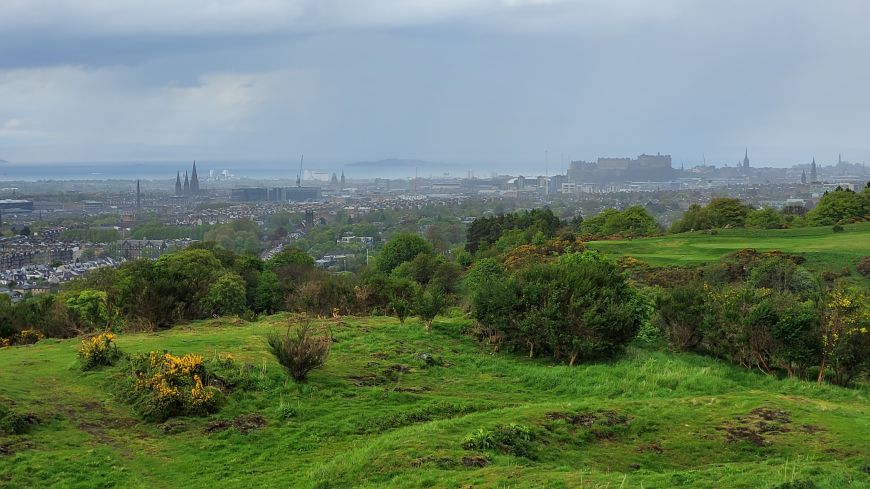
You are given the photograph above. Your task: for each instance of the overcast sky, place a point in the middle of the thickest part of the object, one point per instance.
(483, 83)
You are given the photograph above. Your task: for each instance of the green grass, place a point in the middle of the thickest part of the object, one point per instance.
(823, 249)
(406, 430)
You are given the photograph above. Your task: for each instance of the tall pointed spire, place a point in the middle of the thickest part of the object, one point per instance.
(746, 158)
(194, 180)
(186, 184)
(813, 171)
(138, 198)
(178, 183)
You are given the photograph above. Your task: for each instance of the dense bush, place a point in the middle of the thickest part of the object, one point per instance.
(301, 349)
(161, 385)
(680, 312)
(99, 350)
(579, 308)
(845, 335)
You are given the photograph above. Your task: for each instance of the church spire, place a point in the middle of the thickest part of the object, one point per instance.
(194, 180)
(178, 183)
(746, 158)
(186, 184)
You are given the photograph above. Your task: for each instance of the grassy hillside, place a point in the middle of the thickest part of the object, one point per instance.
(377, 416)
(823, 249)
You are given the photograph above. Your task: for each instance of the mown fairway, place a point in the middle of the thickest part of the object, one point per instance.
(823, 249)
(376, 416)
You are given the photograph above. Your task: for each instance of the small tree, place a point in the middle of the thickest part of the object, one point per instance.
(301, 350)
(401, 307)
(429, 304)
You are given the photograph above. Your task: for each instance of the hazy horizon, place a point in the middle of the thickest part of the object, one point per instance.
(486, 85)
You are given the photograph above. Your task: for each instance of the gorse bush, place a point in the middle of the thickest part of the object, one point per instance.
(161, 385)
(99, 350)
(301, 349)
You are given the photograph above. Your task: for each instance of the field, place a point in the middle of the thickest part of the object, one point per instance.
(823, 249)
(379, 416)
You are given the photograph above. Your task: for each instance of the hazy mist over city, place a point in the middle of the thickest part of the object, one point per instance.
(480, 85)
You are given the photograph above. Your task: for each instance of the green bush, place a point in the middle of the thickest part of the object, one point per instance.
(512, 439)
(680, 312)
(301, 349)
(578, 308)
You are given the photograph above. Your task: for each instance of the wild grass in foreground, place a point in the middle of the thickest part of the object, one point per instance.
(394, 407)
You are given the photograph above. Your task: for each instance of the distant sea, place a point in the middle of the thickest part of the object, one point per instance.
(163, 170)
(136, 170)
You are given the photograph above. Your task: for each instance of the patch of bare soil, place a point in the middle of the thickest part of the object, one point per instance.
(756, 426)
(475, 461)
(244, 424)
(650, 448)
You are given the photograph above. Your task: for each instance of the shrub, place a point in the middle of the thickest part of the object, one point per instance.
(301, 350)
(837, 228)
(681, 315)
(581, 307)
(29, 336)
(846, 335)
(513, 439)
(98, 350)
(162, 385)
(864, 266)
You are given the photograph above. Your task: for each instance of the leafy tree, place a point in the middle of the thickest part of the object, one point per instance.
(90, 308)
(401, 248)
(290, 256)
(765, 218)
(429, 304)
(186, 277)
(840, 205)
(421, 268)
(486, 231)
(226, 295)
(268, 296)
(719, 212)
